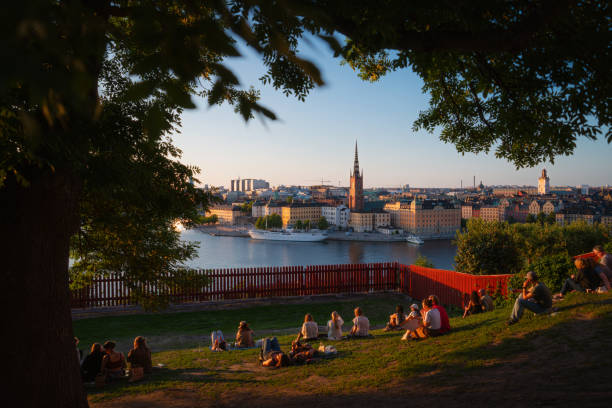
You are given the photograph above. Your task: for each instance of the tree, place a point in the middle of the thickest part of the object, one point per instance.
(487, 248)
(551, 219)
(530, 219)
(524, 77)
(289, 199)
(299, 225)
(275, 221)
(306, 225)
(541, 218)
(247, 207)
(322, 223)
(260, 223)
(424, 262)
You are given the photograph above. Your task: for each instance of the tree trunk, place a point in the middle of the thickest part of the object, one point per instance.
(39, 358)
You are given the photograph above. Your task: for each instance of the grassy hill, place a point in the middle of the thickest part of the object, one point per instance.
(563, 359)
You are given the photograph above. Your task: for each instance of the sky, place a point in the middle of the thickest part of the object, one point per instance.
(315, 140)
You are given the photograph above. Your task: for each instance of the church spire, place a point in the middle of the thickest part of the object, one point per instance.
(356, 164)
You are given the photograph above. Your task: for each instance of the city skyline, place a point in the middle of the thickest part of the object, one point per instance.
(309, 141)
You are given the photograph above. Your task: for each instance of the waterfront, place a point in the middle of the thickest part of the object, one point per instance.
(236, 252)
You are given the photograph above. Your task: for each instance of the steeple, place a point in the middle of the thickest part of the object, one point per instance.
(356, 164)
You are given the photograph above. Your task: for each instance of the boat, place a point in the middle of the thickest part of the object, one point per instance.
(413, 239)
(285, 235)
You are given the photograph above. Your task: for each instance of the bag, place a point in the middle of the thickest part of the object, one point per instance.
(137, 374)
(100, 380)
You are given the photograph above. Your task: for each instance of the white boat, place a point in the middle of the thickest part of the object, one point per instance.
(413, 239)
(308, 236)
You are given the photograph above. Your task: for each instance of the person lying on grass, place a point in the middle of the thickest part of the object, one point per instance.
(271, 354)
(361, 325)
(217, 341)
(473, 306)
(396, 319)
(244, 336)
(430, 326)
(334, 327)
(301, 353)
(535, 297)
(310, 329)
(444, 321)
(277, 359)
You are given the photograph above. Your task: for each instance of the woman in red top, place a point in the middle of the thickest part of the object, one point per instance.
(444, 322)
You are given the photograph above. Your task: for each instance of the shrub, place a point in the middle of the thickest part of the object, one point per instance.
(424, 262)
(552, 270)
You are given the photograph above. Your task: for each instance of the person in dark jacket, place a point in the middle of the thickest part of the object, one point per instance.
(92, 363)
(140, 355)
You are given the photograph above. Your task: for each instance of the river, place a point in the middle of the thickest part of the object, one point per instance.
(236, 252)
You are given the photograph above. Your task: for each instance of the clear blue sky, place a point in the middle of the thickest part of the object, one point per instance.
(315, 139)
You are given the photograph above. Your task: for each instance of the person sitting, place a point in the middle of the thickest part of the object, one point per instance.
(473, 306)
(113, 363)
(217, 341)
(586, 278)
(412, 322)
(431, 324)
(92, 363)
(396, 319)
(486, 301)
(334, 327)
(605, 262)
(140, 356)
(361, 325)
(310, 329)
(244, 336)
(535, 297)
(444, 321)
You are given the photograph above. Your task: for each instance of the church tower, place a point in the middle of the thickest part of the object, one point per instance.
(356, 191)
(543, 183)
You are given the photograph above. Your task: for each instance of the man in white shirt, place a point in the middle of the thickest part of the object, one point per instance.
(431, 321)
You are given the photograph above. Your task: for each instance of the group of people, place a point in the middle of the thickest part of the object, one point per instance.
(104, 364)
(593, 274)
(430, 320)
(477, 302)
(244, 339)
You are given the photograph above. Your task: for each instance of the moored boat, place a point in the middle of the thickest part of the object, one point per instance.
(413, 239)
(302, 236)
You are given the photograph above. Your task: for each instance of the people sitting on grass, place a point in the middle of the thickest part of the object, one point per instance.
(217, 341)
(244, 336)
(444, 321)
(535, 296)
(310, 329)
(113, 363)
(589, 276)
(334, 327)
(271, 354)
(412, 322)
(361, 325)
(396, 319)
(604, 259)
(140, 357)
(92, 363)
(473, 306)
(430, 325)
(486, 301)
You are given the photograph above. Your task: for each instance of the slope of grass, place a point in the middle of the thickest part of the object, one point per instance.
(479, 347)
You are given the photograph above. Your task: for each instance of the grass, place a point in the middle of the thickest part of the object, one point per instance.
(479, 347)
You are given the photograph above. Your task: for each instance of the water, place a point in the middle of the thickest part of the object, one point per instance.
(235, 252)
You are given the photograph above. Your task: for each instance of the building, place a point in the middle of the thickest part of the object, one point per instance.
(227, 214)
(367, 221)
(426, 218)
(295, 212)
(567, 216)
(258, 209)
(245, 185)
(274, 208)
(467, 211)
(543, 183)
(356, 188)
(336, 215)
(492, 213)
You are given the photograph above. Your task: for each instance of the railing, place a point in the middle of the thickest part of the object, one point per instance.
(266, 282)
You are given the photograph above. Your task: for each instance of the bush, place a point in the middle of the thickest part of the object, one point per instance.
(487, 248)
(552, 270)
(424, 262)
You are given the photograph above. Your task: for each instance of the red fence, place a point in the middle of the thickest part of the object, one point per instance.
(243, 283)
